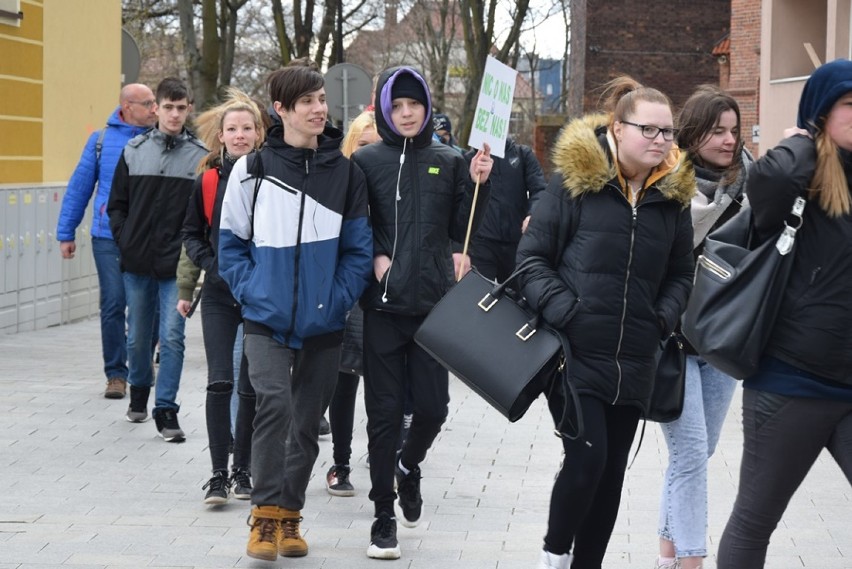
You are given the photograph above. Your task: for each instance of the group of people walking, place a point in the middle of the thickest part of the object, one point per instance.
(295, 224)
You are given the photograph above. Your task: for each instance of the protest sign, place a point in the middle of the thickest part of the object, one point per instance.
(494, 107)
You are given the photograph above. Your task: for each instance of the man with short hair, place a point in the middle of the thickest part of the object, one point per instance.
(147, 205)
(134, 115)
(296, 263)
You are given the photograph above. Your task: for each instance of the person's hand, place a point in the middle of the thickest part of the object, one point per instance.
(183, 307)
(381, 264)
(524, 224)
(462, 264)
(481, 164)
(794, 130)
(67, 248)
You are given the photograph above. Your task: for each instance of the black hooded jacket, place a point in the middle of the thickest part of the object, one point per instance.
(414, 226)
(812, 329)
(516, 179)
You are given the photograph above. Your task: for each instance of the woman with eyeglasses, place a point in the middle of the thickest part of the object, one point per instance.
(710, 135)
(614, 229)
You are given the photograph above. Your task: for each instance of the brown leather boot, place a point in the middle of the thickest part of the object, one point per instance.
(290, 540)
(265, 523)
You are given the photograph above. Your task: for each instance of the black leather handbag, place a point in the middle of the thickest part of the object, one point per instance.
(738, 291)
(666, 403)
(486, 335)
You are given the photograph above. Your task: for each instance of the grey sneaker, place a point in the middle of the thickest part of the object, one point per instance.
(218, 488)
(241, 483)
(138, 410)
(167, 425)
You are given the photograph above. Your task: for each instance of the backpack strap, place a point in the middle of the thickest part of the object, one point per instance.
(209, 184)
(256, 170)
(99, 146)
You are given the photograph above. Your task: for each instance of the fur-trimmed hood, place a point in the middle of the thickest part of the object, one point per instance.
(585, 165)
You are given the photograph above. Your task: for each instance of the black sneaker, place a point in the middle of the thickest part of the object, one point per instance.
(217, 489)
(409, 504)
(138, 410)
(337, 481)
(324, 427)
(383, 542)
(241, 483)
(167, 425)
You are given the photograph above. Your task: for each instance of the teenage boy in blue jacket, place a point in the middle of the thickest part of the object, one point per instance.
(295, 248)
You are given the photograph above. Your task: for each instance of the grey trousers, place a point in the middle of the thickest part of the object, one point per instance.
(293, 388)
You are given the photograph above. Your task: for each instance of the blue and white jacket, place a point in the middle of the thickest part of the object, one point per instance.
(295, 246)
(91, 171)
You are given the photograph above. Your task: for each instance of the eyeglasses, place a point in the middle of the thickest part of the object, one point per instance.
(650, 132)
(146, 104)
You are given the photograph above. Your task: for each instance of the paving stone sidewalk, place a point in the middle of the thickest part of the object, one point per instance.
(85, 489)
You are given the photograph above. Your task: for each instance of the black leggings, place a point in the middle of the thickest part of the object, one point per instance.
(341, 416)
(587, 491)
(782, 438)
(220, 318)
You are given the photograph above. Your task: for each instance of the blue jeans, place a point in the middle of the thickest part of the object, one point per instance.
(235, 396)
(691, 441)
(112, 304)
(144, 295)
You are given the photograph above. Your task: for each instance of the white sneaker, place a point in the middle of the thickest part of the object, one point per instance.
(667, 565)
(552, 561)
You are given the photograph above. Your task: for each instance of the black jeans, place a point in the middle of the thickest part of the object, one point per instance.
(393, 360)
(494, 260)
(782, 438)
(587, 492)
(220, 318)
(341, 416)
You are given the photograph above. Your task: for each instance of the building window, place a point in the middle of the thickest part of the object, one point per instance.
(795, 23)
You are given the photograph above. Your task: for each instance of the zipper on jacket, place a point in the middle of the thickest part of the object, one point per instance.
(415, 186)
(633, 224)
(298, 253)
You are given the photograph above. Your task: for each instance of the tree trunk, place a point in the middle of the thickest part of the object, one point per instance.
(324, 34)
(478, 27)
(577, 66)
(190, 47)
(209, 64)
(285, 44)
(230, 8)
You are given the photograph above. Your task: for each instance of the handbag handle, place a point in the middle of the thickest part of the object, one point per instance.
(787, 239)
(488, 301)
(570, 390)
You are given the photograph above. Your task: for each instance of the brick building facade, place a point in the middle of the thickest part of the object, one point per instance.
(744, 61)
(662, 44)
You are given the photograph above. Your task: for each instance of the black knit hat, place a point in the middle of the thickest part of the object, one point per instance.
(407, 85)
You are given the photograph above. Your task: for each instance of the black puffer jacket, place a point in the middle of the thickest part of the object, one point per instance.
(812, 330)
(516, 179)
(620, 274)
(435, 195)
